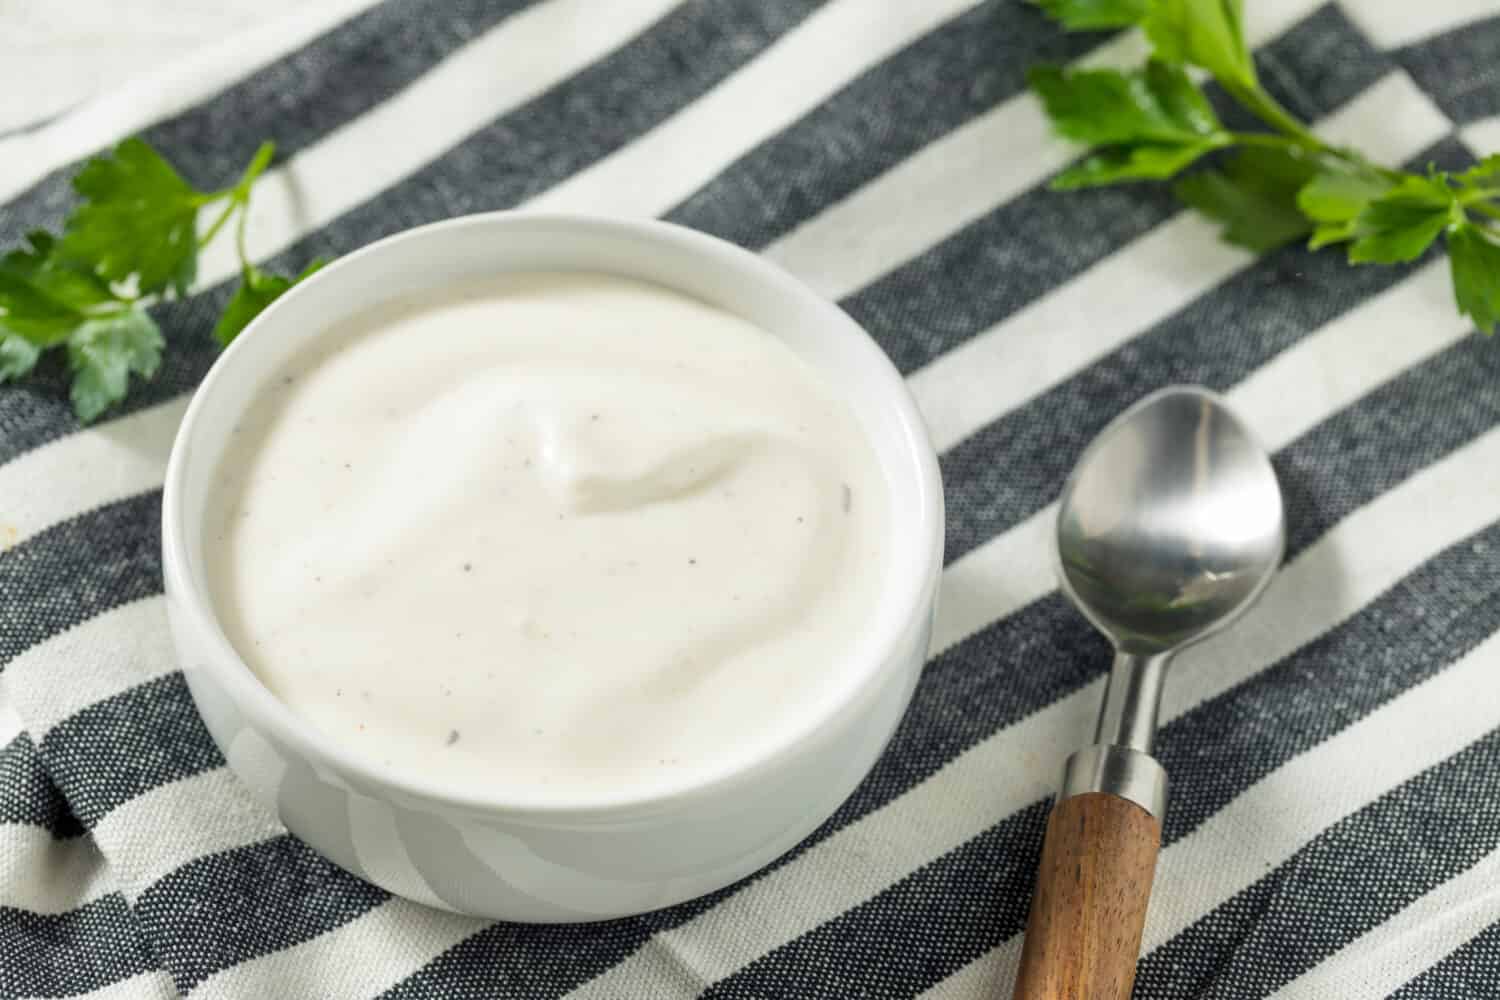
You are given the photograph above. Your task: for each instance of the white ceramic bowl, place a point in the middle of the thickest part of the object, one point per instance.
(482, 850)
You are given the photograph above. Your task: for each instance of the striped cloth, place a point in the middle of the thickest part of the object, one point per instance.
(1335, 831)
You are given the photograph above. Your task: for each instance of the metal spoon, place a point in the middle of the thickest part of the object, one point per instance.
(1170, 526)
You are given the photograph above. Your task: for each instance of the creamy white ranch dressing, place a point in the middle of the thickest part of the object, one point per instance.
(561, 533)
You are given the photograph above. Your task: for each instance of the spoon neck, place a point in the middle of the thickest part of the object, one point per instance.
(1132, 699)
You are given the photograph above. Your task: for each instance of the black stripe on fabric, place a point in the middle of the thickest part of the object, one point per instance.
(296, 100)
(1342, 884)
(1319, 63)
(1016, 465)
(1459, 70)
(123, 746)
(944, 79)
(59, 955)
(1469, 970)
(228, 908)
(523, 152)
(27, 794)
(933, 922)
(78, 568)
(1398, 428)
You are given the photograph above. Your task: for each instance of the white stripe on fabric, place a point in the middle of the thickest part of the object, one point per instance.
(11, 725)
(513, 62)
(42, 874)
(1390, 25)
(1403, 947)
(159, 831)
(1352, 564)
(958, 178)
(1274, 818)
(1137, 286)
(1483, 136)
(794, 75)
(94, 660)
(1281, 400)
(74, 473)
(391, 940)
(29, 156)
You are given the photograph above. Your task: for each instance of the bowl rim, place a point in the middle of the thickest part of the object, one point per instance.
(916, 585)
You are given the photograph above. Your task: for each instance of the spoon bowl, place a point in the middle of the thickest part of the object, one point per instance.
(1171, 524)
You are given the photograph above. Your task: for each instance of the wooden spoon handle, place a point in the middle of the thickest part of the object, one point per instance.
(1084, 933)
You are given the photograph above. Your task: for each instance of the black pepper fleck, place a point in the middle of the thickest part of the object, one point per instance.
(848, 498)
(452, 737)
(468, 567)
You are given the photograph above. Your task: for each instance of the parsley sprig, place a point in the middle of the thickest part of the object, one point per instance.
(1265, 188)
(131, 242)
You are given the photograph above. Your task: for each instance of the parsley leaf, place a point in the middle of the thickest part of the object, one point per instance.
(17, 355)
(103, 353)
(1107, 107)
(1207, 33)
(1254, 196)
(39, 264)
(1144, 162)
(257, 290)
(1401, 224)
(31, 313)
(1475, 263)
(139, 218)
(1334, 200)
(43, 298)
(1086, 15)
(1153, 123)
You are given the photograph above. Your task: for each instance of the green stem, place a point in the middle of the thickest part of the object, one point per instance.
(1266, 108)
(239, 236)
(1296, 135)
(258, 163)
(218, 224)
(1268, 141)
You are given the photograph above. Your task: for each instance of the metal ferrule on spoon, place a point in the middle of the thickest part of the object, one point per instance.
(1119, 761)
